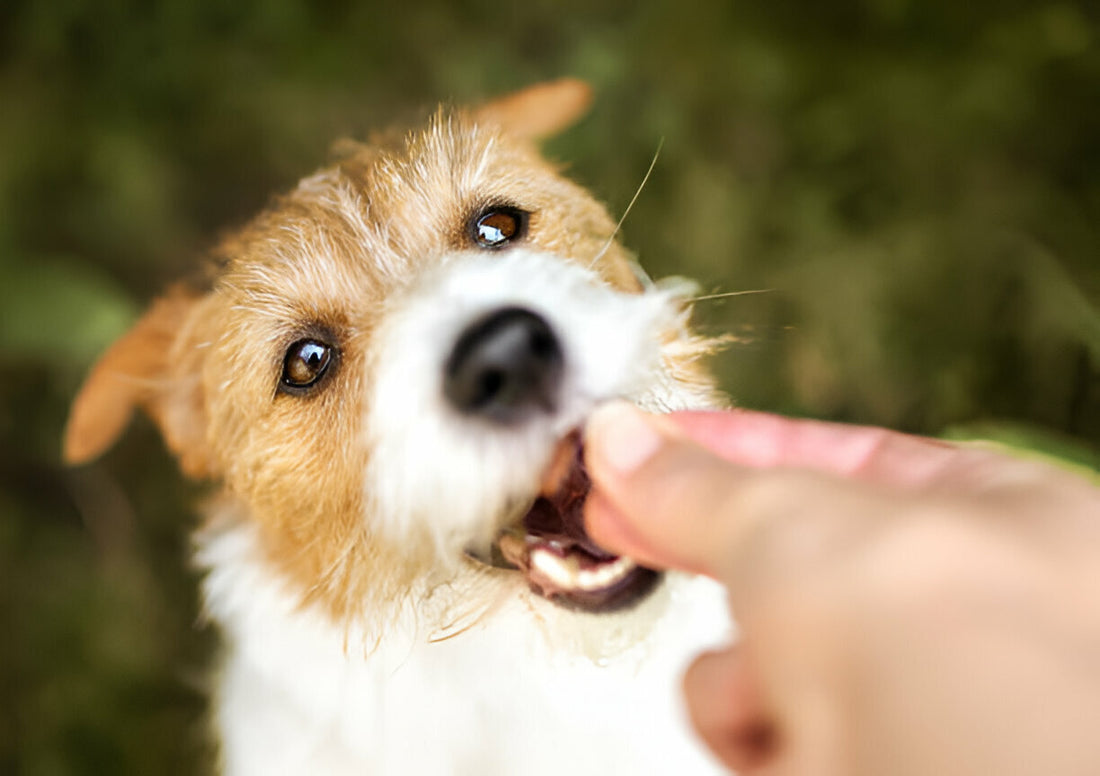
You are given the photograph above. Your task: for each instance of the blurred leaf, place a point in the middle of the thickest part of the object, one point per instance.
(60, 311)
(1042, 443)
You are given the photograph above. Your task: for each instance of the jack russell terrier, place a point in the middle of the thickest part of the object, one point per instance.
(385, 377)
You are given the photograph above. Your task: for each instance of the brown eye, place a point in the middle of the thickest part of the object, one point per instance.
(304, 364)
(498, 226)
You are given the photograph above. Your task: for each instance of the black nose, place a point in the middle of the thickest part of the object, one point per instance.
(505, 367)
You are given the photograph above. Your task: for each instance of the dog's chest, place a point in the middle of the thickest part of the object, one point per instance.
(530, 688)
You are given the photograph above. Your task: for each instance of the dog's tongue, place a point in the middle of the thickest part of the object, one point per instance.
(558, 518)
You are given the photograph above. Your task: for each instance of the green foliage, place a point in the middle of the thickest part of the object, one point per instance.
(917, 185)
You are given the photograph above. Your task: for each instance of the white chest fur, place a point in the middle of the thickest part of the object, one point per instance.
(528, 688)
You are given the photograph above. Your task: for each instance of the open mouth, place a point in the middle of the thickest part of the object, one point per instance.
(553, 551)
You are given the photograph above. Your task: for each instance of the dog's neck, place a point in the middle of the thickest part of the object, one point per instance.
(245, 592)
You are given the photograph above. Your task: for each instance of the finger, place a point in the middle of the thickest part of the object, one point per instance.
(615, 532)
(762, 440)
(659, 497)
(656, 496)
(725, 707)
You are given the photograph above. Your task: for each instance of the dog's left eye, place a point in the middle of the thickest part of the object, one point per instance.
(498, 226)
(305, 363)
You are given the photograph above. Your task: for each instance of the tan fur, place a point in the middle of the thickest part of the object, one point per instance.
(330, 257)
(538, 111)
(150, 367)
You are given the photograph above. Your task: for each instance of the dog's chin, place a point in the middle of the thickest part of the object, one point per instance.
(549, 546)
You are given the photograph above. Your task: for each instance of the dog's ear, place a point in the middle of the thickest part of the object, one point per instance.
(156, 366)
(538, 111)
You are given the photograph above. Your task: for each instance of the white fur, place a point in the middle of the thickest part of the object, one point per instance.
(474, 674)
(529, 689)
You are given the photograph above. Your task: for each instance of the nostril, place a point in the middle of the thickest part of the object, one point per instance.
(491, 382)
(543, 344)
(505, 367)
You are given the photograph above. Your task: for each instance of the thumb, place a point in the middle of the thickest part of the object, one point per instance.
(658, 497)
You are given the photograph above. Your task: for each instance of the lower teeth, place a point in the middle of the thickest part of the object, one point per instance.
(566, 572)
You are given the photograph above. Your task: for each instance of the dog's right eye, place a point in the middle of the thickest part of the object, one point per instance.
(305, 363)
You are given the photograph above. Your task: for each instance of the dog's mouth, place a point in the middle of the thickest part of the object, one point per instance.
(558, 558)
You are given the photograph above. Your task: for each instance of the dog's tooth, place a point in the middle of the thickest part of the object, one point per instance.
(566, 572)
(604, 575)
(563, 572)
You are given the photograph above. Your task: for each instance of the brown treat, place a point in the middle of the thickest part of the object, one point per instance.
(565, 455)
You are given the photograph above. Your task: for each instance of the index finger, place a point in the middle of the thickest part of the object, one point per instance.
(665, 501)
(763, 440)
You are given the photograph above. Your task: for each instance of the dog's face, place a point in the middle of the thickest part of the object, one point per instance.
(391, 358)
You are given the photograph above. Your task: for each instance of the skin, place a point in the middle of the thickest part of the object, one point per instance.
(906, 606)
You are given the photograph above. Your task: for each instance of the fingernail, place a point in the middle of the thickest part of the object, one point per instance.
(622, 436)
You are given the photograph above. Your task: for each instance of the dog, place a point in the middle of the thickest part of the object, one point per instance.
(385, 375)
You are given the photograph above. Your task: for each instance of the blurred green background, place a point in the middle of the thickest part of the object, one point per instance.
(918, 183)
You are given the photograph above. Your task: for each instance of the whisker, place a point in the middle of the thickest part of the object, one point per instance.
(626, 212)
(731, 293)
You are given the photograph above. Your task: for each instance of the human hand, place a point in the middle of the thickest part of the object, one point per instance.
(905, 605)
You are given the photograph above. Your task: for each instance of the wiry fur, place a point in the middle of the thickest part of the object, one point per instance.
(360, 637)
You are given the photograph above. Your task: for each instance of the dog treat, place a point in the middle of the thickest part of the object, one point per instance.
(565, 455)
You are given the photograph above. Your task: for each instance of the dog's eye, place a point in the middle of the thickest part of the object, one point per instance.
(304, 364)
(498, 226)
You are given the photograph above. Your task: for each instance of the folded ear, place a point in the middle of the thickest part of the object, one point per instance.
(539, 111)
(154, 366)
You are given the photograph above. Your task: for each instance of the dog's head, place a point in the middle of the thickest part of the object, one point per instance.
(391, 358)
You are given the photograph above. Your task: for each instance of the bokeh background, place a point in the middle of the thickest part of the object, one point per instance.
(915, 184)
